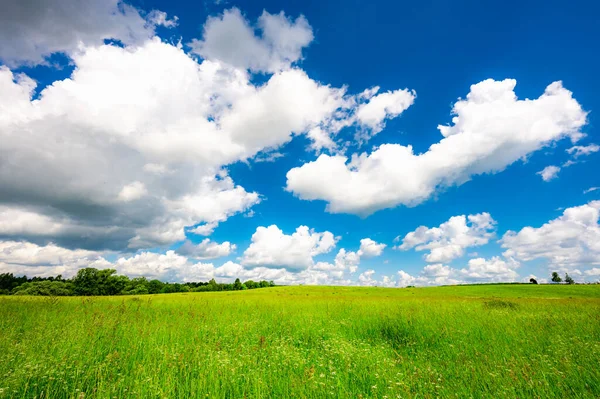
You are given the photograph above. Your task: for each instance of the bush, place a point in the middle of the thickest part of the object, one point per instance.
(45, 288)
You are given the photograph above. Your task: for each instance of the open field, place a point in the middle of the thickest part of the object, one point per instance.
(504, 341)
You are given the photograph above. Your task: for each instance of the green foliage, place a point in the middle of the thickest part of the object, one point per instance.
(556, 278)
(44, 288)
(533, 281)
(94, 282)
(569, 279)
(486, 341)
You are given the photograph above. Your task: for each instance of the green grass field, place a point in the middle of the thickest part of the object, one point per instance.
(504, 341)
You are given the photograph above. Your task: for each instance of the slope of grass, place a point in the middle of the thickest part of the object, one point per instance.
(306, 342)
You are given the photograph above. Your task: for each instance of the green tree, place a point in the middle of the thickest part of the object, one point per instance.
(44, 288)
(154, 286)
(569, 279)
(556, 278)
(237, 285)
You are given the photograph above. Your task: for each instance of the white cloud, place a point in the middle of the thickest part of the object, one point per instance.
(366, 278)
(24, 258)
(31, 30)
(126, 132)
(491, 129)
(370, 248)
(160, 18)
(345, 261)
(569, 241)
(495, 269)
(230, 38)
(380, 107)
(207, 249)
(549, 173)
(580, 150)
(437, 270)
(132, 192)
(138, 152)
(451, 238)
(167, 267)
(591, 189)
(270, 247)
(431, 275)
(405, 279)
(593, 272)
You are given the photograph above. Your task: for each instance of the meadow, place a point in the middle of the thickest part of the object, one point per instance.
(488, 341)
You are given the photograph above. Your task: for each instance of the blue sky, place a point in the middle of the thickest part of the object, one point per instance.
(159, 117)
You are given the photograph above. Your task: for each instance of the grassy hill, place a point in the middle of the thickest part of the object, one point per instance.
(500, 341)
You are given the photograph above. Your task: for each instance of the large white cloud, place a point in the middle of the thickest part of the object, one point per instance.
(491, 129)
(130, 150)
(451, 238)
(31, 30)
(134, 141)
(271, 247)
(230, 38)
(572, 240)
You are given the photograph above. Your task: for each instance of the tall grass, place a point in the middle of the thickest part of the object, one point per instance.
(306, 342)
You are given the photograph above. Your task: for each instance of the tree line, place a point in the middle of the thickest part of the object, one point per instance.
(556, 279)
(91, 281)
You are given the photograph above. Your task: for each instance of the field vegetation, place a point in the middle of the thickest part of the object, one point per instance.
(487, 341)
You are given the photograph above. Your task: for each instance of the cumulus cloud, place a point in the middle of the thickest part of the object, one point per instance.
(388, 105)
(490, 130)
(572, 240)
(366, 278)
(479, 270)
(142, 149)
(24, 258)
(345, 261)
(31, 30)
(207, 249)
(495, 269)
(430, 275)
(370, 248)
(451, 238)
(549, 173)
(139, 152)
(271, 247)
(230, 38)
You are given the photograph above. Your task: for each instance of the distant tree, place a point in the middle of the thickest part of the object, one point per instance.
(556, 278)
(86, 282)
(533, 281)
(569, 279)
(237, 285)
(154, 286)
